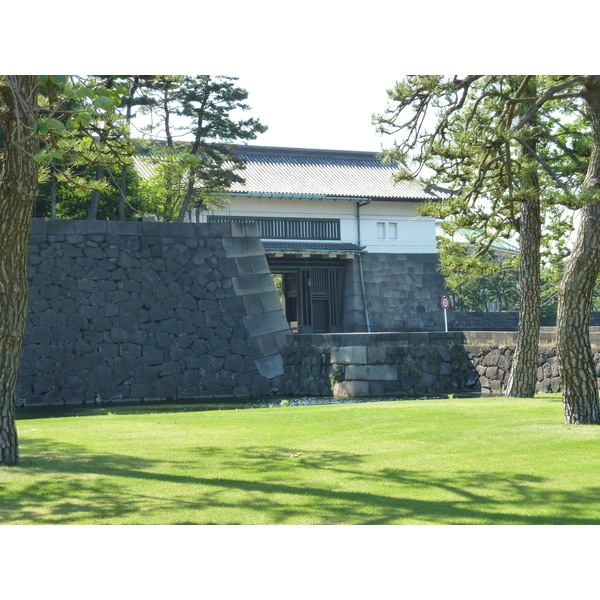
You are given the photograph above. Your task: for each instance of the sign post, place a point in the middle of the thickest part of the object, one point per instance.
(446, 306)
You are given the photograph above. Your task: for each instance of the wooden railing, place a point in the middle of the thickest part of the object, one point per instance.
(288, 228)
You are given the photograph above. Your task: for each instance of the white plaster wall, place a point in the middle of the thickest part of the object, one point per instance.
(413, 234)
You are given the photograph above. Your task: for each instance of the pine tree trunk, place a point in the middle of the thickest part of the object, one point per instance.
(53, 196)
(185, 205)
(576, 364)
(92, 213)
(18, 191)
(123, 193)
(522, 379)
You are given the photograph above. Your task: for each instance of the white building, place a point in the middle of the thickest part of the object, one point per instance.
(352, 251)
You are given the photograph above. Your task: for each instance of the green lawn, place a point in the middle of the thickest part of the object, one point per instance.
(492, 461)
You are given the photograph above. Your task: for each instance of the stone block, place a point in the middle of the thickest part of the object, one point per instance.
(268, 344)
(377, 355)
(492, 358)
(125, 228)
(142, 390)
(253, 284)
(152, 229)
(218, 347)
(239, 346)
(372, 372)
(377, 388)
(253, 304)
(152, 356)
(540, 374)
(86, 227)
(167, 387)
(492, 372)
(118, 335)
(496, 387)
(237, 247)
(270, 366)
(345, 355)
(38, 227)
(255, 265)
(158, 313)
(235, 363)
(445, 368)
(229, 267)
(265, 323)
(351, 389)
(271, 301)
(245, 230)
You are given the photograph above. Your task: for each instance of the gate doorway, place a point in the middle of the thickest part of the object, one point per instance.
(312, 296)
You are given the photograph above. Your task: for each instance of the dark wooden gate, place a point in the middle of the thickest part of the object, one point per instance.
(322, 299)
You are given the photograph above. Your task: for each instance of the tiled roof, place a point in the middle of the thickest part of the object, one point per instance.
(306, 172)
(466, 237)
(284, 246)
(272, 170)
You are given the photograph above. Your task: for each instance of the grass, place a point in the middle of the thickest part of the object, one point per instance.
(455, 461)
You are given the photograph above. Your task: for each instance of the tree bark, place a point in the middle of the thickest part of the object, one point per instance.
(576, 364)
(92, 213)
(123, 187)
(522, 379)
(123, 193)
(18, 191)
(186, 201)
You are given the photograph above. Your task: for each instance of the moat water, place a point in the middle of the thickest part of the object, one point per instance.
(268, 402)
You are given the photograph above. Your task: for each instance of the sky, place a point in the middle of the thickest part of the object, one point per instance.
(333, 111)
(315, 71)
(303, 111)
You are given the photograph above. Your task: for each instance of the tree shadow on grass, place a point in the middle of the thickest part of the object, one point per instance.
(277, 485)
(413, 496)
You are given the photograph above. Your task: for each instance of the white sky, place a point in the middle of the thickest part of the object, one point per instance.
(315, 71)
(299, 115)
(333, 112)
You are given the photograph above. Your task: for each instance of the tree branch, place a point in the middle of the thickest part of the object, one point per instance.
(551, 94)
(545, 165)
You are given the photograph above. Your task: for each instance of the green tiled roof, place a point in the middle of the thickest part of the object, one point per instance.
(271, 170)
(304, 172)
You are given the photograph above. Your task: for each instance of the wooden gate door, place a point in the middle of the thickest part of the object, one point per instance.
(322, 300)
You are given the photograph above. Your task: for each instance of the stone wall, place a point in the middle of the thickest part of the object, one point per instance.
(363, 365)
(493, 362)
(139, 311)
(149, 311)
(403, 293)
(384, 364)
(474, 321)
(498, 321)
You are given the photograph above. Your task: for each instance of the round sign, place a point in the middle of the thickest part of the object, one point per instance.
(445, 302)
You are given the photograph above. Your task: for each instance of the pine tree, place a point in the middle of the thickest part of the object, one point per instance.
(499, 142)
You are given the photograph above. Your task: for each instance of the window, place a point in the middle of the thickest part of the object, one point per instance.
(387, 231)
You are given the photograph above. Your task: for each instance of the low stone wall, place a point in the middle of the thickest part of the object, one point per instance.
(367, 365)
(475, 321)
(498, 321)
(493, 363)
(149, 311)
(386, 364)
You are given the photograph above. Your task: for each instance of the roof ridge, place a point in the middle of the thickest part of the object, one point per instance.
(312, 152)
